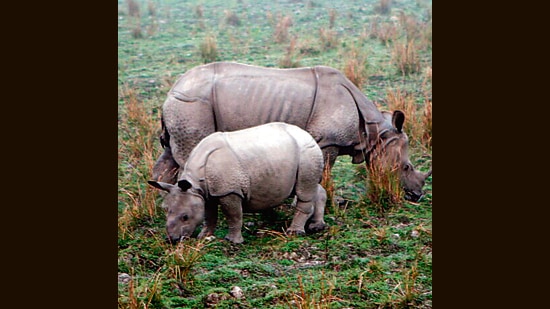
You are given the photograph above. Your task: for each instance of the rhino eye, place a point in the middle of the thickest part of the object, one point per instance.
(184, 217)
(406, 167)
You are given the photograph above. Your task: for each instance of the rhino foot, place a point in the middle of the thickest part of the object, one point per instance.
(315, 227)
(235, 239)
(291, 231)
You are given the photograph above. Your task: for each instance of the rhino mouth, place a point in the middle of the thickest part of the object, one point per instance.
(413, 196)
(174, 240)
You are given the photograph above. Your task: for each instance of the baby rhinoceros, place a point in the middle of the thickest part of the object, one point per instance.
(250, 170)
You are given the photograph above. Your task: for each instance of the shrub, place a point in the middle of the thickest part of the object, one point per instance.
(355, 67)
(281, 30)
(231, 18)
(208, 49)
(405, 57)
(328, 39)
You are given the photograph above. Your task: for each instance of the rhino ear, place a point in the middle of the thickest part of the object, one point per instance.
(397, 120)
(184, 184)
(161, 185)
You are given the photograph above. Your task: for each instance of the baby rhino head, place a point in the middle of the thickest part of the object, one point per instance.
(184, 209)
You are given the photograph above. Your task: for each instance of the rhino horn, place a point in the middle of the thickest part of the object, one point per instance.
(428, 174)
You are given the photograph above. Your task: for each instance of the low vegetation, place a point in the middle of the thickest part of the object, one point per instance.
(377, 251)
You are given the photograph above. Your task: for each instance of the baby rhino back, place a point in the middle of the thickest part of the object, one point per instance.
(274, 160)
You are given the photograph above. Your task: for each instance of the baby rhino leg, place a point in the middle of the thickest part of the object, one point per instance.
(231, 206)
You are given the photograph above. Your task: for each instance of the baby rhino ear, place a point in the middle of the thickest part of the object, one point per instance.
(161, 185)
(184, 184)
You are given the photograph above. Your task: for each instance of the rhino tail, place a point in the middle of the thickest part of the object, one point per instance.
(164, 136)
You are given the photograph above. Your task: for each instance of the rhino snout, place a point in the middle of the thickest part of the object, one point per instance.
(174, 240)
(413, 196)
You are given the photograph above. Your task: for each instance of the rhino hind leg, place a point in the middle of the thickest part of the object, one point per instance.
(166, 168)
(317, 223)
(231, 206)
(304, 210)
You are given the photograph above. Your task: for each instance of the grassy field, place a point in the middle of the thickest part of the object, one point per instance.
(374, 255)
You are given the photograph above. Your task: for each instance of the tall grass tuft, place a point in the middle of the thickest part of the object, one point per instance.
(385, 32)
(208, 49)
(355, 66)
(427, 124)
(139, 296)
(383, 7)
(138, 130)
(183, 258)
(136, 31)
(290, 60)
(231, 18)
(398, 99)
(281, 29)
(328, 38)
(151, 8)
(332, 18)
(405, 57)
(328, 184)
(133, 8)
(384, 188)
(307, 299)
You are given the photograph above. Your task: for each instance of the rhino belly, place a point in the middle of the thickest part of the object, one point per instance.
(270, 158)
(269, 189)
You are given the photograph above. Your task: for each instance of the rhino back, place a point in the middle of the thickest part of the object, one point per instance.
(246, 96)
(263, 165)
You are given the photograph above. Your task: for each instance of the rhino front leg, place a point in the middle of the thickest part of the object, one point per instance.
(232, 209)
(210, 220)
(304, 210)
(317, 220)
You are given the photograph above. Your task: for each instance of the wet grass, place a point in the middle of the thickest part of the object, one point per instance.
(367, 258)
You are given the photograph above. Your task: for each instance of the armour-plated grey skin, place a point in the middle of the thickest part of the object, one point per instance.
(248, 170)
(226, 96)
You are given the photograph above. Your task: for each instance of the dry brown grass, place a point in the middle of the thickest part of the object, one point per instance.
(291, 58)
(332, 18)
(137, 150)
(307, 299)
(208, 49)
(199, 11)
(383, 7)
(418, 124)
(384, 31)
(398, 99)
(405, 57)
(355, 66)
(183, 258)
(133, 8)
(151, 8)
(141, 296)
(384, 186)
(328, 38)
(231, 18)
(281, 29)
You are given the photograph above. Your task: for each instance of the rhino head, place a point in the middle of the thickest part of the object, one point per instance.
(393, 151)
(184, 208)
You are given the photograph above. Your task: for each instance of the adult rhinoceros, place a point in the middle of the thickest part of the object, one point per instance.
(226, 96)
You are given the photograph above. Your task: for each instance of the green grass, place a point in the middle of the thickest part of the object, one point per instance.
(364, 260)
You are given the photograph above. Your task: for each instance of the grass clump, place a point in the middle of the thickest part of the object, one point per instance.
(208, 49)
(355, 66)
